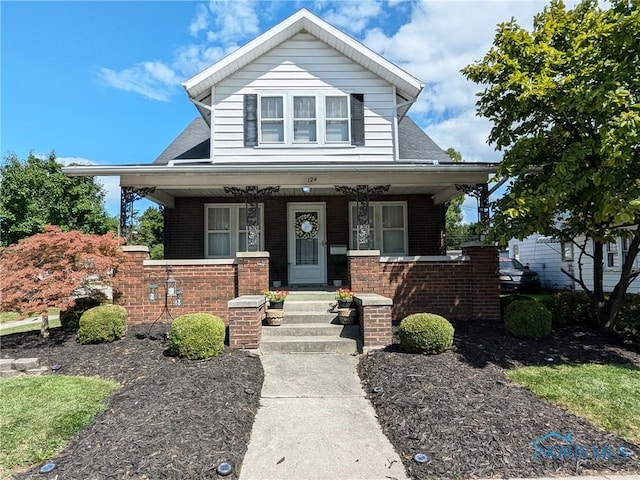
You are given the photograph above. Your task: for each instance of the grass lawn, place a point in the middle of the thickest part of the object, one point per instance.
(40, 414)
(606, 395)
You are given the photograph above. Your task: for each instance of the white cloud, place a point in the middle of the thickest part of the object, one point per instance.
(200, 22)
(153, 80)
(353, 17)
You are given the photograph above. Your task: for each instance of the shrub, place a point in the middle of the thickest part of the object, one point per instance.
(196, 336)
(570, 308)
(70, 318)
(527, 319)
(506, 300)
(425, 333)
(105, 323)
(628, 324)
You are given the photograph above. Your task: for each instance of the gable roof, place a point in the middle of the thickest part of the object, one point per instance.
(194, 142)
(408, 87)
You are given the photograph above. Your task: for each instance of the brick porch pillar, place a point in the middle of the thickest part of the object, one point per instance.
(253, 272)
(245, 321)
(484, 282)
(129, 282)
(375, 320)
(364, 270)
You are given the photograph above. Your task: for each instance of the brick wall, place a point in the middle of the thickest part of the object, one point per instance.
(205, 287)
(458, 289)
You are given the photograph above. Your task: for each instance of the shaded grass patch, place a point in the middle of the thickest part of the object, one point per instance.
(40, 414)
(606, 395)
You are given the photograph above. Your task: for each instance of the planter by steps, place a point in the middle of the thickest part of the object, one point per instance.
(275, 316)
(273, 305)
(347, 316)
(344, 303)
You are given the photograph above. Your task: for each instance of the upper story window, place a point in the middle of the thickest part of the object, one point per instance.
(612, 255)
(295, 118)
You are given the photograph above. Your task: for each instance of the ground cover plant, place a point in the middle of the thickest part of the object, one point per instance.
(607, 395)
(34, 427)
(461, 410)
(172, 418)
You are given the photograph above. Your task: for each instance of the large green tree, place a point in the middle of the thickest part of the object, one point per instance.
(35, 192)
(564, 100)
(149, 230)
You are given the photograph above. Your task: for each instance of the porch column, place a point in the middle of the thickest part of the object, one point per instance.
(484, 281)
(363, 194)
(375, 320)
(253, 272)
(128, 195)
(364, 270)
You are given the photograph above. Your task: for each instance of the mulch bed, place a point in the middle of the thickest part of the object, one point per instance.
(172, 418)
(460, 410)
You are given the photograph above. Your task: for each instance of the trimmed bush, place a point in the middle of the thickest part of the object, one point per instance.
(102, 324)
(506, 300)
(570, 308)
(526, 319)
(70, 319)
(628, 323)
(425, 333)
(196, 336)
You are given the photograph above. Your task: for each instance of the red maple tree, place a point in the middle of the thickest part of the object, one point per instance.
(50, 269)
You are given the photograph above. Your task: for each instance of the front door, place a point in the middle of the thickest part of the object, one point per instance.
(307, 244)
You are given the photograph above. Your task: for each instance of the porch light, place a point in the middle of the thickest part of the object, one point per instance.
(171, 286)
(177, 301)
(153, 292)
(306, 189)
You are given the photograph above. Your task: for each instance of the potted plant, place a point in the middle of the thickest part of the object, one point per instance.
(276, 298)
(344, 296)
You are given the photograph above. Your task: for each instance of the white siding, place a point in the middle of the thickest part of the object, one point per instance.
(303, 63)
(545, 257)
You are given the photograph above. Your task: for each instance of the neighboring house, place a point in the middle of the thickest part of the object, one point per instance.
(303, 149)
(547, 255)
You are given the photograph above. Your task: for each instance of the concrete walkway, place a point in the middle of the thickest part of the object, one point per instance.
(314, 423)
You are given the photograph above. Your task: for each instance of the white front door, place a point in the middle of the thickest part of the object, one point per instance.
(307, 243)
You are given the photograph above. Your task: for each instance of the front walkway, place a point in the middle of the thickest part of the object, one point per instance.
(314, 423)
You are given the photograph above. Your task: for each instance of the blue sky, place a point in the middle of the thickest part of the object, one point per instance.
(99, 82)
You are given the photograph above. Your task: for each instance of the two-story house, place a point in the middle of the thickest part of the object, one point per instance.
(303, 149)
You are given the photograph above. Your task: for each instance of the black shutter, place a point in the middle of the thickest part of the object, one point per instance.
(357, 119)
(251, 120)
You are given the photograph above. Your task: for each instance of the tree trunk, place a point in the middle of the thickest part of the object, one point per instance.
(44, 325)
(616, 299)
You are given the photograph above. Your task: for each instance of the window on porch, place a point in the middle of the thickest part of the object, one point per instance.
(388, 227)
(226, 230)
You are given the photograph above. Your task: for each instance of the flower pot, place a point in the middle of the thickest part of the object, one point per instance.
(274, 305)
(344, 303)
(275, 317)
(347, 316)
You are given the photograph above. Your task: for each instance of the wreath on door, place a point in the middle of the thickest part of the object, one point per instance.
(306, 226)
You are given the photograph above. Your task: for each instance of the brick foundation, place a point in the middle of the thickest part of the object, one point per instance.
(245, 321)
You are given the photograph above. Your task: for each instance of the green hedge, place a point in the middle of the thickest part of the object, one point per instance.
(196, 336)
(570, 308)
(102, 324)
(425, 333)
(526, 319)
(70, 318)
(628, 324)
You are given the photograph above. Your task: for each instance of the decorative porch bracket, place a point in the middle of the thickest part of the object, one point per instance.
(480, 192)
(252, 195)
(362, 195)
(128, 195)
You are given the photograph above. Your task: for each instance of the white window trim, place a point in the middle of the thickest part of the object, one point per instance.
(321, 118)
(617, 255)
(378, 226)
(234, 223)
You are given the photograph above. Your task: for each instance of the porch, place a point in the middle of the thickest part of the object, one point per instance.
(460, 286)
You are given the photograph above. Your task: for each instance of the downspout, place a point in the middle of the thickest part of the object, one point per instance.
(396, 132)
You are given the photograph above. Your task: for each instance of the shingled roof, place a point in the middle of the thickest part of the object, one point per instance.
(194, 143)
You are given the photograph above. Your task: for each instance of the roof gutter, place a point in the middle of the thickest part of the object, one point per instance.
(117, 170)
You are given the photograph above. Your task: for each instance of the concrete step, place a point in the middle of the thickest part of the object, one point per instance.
(309, 317)
(299, 344)
(312, 329)
(318, 306)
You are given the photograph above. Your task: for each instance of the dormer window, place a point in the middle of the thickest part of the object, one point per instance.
(302, 118)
